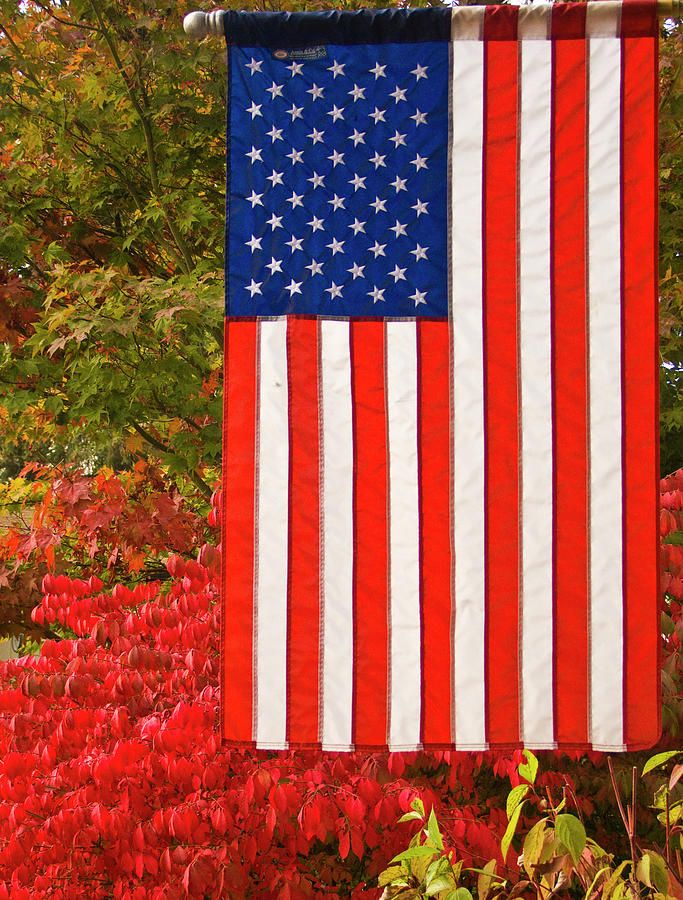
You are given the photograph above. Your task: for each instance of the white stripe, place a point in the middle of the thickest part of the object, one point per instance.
(404, 536)
(467, 90)
(271, 576)
(604, 286)
(337, 529)
(536, 613)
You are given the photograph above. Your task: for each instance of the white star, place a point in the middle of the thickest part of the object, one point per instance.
(380, 205)
(420, 252)
(294, 243)
(358, 137)
(294, 287)
(316, 92)
(338, 202)
(296, 68)
(295, 111)
(419, 72)
(254, 287)
(420, 162)
(399, 184)
(334, 291)
(254, 243)
(378, 249)
(316, 136)
(254, 155)
(275, 134)
(357, 271)
(275, 265)
(358, 93)
(398, 274)
(420, 207)
(254, 65)
(398, 228)
(255, 199)
(336, 246)
(358, 182)
(254, 109)
(357, 226)
(378, 71)
(336, 158)
(316, 268)
(336, 68)
(275, 178)
(376, 294)
(336, 113)
(295, 200)
(274, 222)
(399, 140)
(296, 156)
(419, 297)
(275, 90)
(318, 180)
(316, 224)
(399, 94)
(420, 118)
(378, 115)
(378, 160)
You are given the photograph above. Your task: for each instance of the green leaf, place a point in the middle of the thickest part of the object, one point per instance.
(533, 845)
(659, 759)
(460, 893)
(440, 883)
(510, 830)
(485, 879)
(572, 834)
(529, 768)
(418, 806)
(413, 853)
(515, 797)
(433, 830)
(390, 874)
(651, 870)
(410, 816)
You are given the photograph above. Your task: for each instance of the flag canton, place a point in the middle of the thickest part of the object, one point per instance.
(337, 168)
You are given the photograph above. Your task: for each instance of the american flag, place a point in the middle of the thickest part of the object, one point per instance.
(440, 379)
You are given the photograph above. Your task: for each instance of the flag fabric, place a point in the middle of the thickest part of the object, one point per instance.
(440, 430)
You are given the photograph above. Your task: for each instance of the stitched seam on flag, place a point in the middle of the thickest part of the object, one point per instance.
(224, 469)
(257, 472)
(655, 355)
(226, 239)
(520, 414)
(354, 562)
(387, 528)
(487, 686)
(553, 357)
(288, 597)
(321, 540)
(622, 327)
(420, 524)
(449, 289)
(589, 621)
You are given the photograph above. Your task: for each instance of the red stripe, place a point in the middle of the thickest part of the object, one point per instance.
(501, 387)
(303, 576)
(239, 448)
(640, 390)
(570, 395)
(435, 545)
(370, 499)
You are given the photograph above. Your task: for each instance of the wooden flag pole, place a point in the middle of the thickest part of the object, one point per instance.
(201, 24)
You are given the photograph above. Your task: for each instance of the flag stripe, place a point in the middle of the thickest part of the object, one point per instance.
(605, 399)
(435, 546)
(536, 395)
(466, 172)
(303, 588)
(237, 624)
(271, 536)
(337, 518)
(639, 211)
(404, 537)
(570, 397)
(501, 389)
(370, 574)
